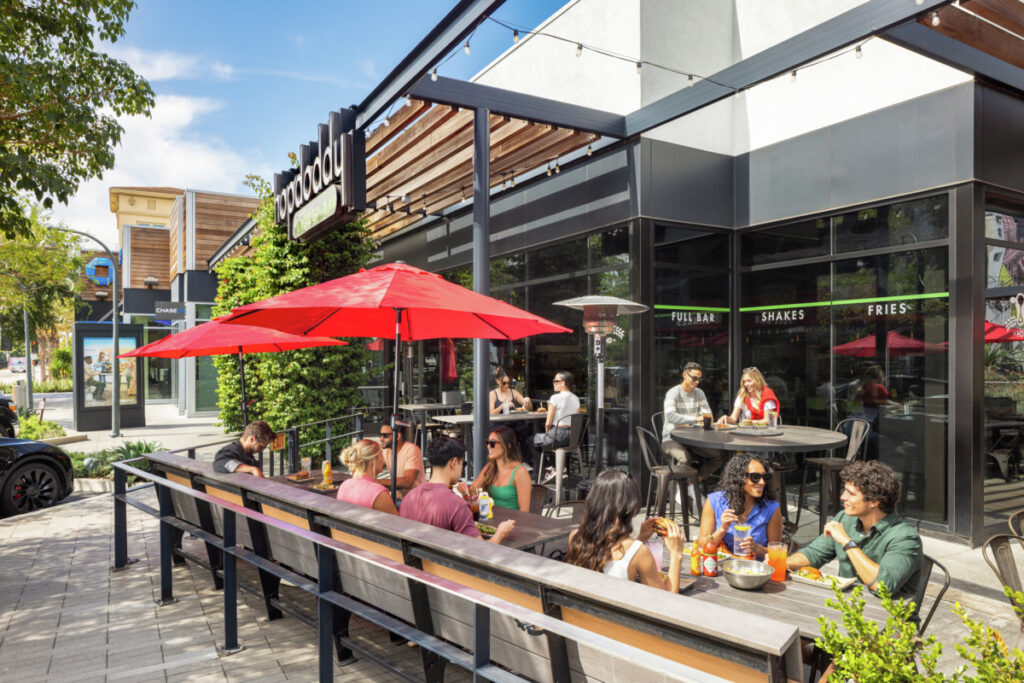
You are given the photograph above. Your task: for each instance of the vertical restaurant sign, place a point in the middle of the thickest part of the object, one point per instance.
(328, 188)
(1016, 318)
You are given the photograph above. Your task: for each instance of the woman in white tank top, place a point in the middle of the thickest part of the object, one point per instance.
(603, 543)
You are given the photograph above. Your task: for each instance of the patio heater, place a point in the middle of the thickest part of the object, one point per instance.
(599, 316)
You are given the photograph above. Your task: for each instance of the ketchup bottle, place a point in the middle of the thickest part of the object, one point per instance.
(710, 558)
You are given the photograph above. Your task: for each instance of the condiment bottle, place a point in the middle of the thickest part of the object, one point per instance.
(328, 474)
(696, 567)
(710, 559)
(485, 505)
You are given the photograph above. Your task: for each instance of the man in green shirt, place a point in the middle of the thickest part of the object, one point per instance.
(871, 541)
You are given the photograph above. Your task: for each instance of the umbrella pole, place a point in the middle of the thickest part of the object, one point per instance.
(241, 374)
(394, 405)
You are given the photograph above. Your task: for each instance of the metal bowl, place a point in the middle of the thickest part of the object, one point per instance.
(760, 573)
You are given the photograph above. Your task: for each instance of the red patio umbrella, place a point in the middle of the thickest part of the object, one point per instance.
(999, 334)
(896, 343)
(395, 301)
(214, 338)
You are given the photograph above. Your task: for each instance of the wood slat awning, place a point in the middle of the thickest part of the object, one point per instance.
(995, 27)
(421, 162)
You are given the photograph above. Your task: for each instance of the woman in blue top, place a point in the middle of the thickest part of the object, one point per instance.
(743, 497)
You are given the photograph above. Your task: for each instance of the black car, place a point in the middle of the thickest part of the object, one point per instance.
(8, 418)
(33, 475)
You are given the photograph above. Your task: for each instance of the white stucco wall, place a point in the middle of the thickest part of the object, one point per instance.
(702, 37)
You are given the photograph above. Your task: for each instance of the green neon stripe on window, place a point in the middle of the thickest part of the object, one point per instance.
(708, 309)
(847, 302)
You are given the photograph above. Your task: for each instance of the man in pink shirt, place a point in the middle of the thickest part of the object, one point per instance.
(410, 460)
(434, 502)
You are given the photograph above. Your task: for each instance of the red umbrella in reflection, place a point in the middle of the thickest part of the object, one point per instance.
(393, 301)
(896, 343)
(998, 334)
(214, 338)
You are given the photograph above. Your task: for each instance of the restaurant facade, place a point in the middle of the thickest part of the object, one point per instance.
(854, 259)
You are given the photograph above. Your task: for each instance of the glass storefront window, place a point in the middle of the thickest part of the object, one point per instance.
(910, 222)
(560, 258)
(786, 243)
(610, 248)
(1003, 226)
(1005, 267)
(892, 275)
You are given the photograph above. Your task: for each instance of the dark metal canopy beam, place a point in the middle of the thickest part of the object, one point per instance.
(872, 18)
(517, 105)
(454, 28)
(956, 54)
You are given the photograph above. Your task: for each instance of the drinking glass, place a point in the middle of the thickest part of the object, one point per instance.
(707, 420)
(773, 419)
(777, 555)
(740, 532)
(657, 548)
(306, 464)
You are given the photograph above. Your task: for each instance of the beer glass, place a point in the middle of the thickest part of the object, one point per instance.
(777, 555)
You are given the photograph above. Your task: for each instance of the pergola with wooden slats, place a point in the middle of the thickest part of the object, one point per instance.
(995, 27)
(425, 155)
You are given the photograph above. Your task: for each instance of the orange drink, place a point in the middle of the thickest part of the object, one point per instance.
(777, 555)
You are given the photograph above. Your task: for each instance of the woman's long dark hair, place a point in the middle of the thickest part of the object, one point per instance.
(607, 520)
(734, 476)
(511, 443)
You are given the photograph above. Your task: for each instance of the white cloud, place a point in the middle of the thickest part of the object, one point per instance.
(165, 65)
(161, 151)
(367, 67)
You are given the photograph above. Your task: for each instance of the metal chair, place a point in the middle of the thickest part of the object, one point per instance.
(661, 479)
(538, 498)
(658, 422)
(928, 566)
(1016, 522)
(857, 430)
(1006, 452)
(1003, 563)
(576, 507)
(577, 437)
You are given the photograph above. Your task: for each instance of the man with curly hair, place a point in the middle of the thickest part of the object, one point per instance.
(871, 541)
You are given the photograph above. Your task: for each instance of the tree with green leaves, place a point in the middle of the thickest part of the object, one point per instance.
(290, 387)
(38, 270)
(59, 99)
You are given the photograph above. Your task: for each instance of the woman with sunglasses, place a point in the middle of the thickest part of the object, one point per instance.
(562, 405)
(753, 398)
(743, 496)
(365, 461)
(504, 395)
(504, 476)
(603, 541)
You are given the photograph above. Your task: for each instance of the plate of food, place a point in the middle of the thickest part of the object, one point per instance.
(486, 530)
(301, 475)
(326, 486)
(814, 577)
(724, 427)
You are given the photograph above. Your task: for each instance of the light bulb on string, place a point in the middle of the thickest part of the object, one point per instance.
(549, 169)
(515, 37)
(935, 19)
(858, 52)
(557, 168)
(433, 74)
(590, 150)
(639, 67)
(792, 75)
(466, 47)
(579, 49)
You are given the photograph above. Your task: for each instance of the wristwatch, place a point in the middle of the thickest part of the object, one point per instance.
(850, 544)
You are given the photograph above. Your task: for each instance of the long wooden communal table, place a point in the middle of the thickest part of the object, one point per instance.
(465, 422)
(791, 602)
(532, 531)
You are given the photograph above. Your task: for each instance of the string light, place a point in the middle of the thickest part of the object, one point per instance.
(590, 150)
(549, 169)
(579, 49)
(557, 168)
(792, 75)
(935, 19)
(512, 181)
(689, 77)
(433, 74)
(858, 52)
(466, 47)
(639, 66)
(515, 37)
(408, 100)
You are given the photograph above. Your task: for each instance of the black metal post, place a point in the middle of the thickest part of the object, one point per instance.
(394, 405)
(241, 376)
(481, 277)
(120, 520)
(481, 638)
(293, 449)
(325, 612)
(231, 644)
(166, 546)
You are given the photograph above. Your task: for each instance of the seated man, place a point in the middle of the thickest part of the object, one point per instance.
(240, 455)
(686, 404)
(436, 504)
(871, 541)
(92, 385)
(410, 460)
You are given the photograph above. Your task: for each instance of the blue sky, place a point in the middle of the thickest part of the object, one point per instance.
(239, 85)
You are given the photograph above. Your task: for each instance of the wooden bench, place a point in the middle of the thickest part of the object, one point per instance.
(547, 620)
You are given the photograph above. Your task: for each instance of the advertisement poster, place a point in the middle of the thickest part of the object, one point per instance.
(98, 370)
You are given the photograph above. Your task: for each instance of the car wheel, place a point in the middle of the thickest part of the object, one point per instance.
(30, 487)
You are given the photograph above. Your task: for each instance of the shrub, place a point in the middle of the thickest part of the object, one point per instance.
(52, 385)
(101, 463)
(29, 427)
(60, 363)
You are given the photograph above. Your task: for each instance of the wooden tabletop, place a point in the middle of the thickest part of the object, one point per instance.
(427, 406)
(499, 417)
(531, 530)
(793, 439)
(791, 602)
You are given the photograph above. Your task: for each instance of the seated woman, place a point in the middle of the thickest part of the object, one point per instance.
(504, 476)
(364, 462)
(561, 407)
(752, 400)
(504, 395)
(743, 497)
(602, 542)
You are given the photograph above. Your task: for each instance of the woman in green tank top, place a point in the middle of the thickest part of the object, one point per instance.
(504, 477)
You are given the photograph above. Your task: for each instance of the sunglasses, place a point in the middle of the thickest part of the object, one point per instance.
(695, 380)
(757, 477)
(752, 368)
(558, 381)
(506, 383)
(492, 443)
(385, 435)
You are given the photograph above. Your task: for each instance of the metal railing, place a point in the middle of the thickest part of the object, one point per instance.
(294, 443)
(477, 659)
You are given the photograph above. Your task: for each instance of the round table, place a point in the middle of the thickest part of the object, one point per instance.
(794, 439)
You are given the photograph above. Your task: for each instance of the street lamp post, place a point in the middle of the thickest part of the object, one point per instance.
(28, 343)
(599, 316)
(115, 394)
